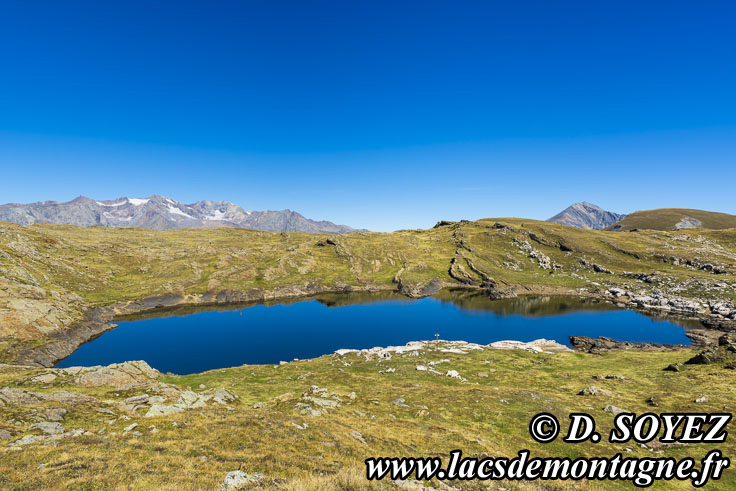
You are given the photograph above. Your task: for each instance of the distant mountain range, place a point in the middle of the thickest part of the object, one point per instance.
(162, 213)
(586, 215)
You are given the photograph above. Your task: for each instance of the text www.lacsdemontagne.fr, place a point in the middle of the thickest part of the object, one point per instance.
(642, 472)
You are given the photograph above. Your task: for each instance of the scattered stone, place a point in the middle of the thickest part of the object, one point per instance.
(26, 440)
(536, 346)
(191, 400)
(130, 428)
(483, 375)
(421, 368)
(358, 437)
(141, 399)
(237, 480)
(5, 435)
(613, 409)
(728, 340)
(673, 367)
(224, 397)
(595, 391)
(400, 402)
(600, 269)
(305, 375)
(27, 398)
(455, 374)
(652, 401)
(702, 399)
(706, 357)
(162, 410)
(617, 292)
(48, 428)
(306, 410)
(54, 414)
(44, 378)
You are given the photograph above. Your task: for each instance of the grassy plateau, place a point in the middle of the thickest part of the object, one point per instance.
(54, 279)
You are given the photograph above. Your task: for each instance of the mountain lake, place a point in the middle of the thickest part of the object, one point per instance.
(188, 340)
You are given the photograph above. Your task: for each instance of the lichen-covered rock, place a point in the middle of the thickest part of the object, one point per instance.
(48, 428)
(54, 414)
(190, 400)
(237, 480)
(9, 396)
(117, 374)
(163, 410)
(595, 391)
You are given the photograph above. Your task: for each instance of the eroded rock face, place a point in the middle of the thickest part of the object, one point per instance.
(31, 312)
(10, 396)
(675, 304)
(190, 400)
(117, 374)
(48, 428)
(602, 344)
(420, 290)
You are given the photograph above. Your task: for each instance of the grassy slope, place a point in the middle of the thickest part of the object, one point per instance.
(667, 218)
(490, 415)
(77, 268)
(483, 415)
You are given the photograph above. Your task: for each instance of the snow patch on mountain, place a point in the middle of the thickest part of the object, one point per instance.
(177, 211)
(161, 213)
(218, 216)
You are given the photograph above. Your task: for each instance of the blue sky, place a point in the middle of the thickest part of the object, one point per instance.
(377, 114)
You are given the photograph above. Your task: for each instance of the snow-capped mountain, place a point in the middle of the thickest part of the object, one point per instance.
(162, 213)
(586, 215)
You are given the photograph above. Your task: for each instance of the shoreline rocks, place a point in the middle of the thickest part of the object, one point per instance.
(602, 344)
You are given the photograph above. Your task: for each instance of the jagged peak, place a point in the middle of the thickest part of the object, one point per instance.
(586, 215)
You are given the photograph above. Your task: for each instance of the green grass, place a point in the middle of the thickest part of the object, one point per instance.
(51, 275)
(481, 416)
(667, 219)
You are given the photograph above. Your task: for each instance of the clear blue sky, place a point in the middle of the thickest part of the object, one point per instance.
(377, 114)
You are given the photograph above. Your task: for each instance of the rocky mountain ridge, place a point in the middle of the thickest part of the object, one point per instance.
(162, 213)
(586, 215)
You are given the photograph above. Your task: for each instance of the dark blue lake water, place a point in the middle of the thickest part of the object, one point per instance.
(188, 341)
